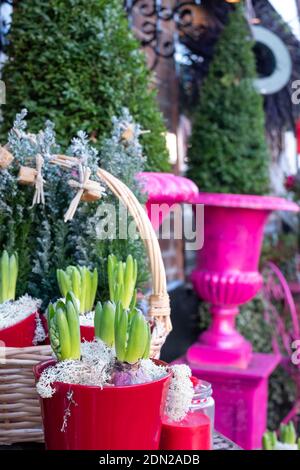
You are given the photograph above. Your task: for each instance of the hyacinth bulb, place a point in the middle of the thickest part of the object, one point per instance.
(64, 328)
(122, 279)
(127, 331)
(82, 282)
(8, 276)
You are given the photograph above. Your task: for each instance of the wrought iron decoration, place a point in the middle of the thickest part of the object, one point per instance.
(153, 14)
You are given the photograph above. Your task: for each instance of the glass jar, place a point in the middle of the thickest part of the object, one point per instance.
(203, 402)
(195, 431)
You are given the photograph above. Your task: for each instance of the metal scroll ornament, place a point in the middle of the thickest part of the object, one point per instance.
(154, 15)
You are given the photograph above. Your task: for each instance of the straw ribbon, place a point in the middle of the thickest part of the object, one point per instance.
(81, 186)
(5, 157)
(39, 196)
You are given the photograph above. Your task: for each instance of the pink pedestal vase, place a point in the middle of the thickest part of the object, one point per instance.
(164, 190)
(227, 271)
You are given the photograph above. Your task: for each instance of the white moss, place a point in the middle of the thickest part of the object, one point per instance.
(93, 369)
(96, 368)
(180, 393)
(40, 334)
(67, 414)
(87, 319)
(96, 351)
(149, 372)
(283, 446)
(12, 313)
(65, 371)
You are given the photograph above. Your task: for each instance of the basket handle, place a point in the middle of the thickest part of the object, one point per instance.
(159, 300)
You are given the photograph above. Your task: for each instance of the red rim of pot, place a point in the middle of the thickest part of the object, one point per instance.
(39, 368)
(87, 332)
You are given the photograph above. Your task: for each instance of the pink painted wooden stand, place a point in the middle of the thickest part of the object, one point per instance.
(227, 276)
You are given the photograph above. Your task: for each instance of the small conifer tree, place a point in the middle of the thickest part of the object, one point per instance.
(228, 152)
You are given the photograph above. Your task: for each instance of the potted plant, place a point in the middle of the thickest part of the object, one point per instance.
(105, 394)
(229, 160)
(287, 439)
(122, 277)
(20, 325)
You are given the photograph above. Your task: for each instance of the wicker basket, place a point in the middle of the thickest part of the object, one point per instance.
(20, 417)
(20, 414)
(159, 302)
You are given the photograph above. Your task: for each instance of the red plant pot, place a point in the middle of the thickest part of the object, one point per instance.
(112, 418)
(87, 333)
(21, 334)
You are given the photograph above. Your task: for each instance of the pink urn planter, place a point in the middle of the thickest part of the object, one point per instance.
(227, 274)
(164, 190)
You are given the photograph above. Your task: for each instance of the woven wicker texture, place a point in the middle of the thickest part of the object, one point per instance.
(159, 300)
(20, 414)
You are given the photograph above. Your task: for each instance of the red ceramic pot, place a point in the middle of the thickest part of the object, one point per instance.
(21, 334)
(87, 333)
(112, 418)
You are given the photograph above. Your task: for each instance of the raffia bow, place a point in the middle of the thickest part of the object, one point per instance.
(87, 190)
(39, 195)
(6, 157)
(81, 185)
(34, 176)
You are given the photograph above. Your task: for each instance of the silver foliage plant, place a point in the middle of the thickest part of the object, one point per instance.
(25, 145)
(123, 157)
(43, 240)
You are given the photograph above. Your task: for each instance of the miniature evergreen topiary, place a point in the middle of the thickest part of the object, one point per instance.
(76, 63)
(228, 152)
